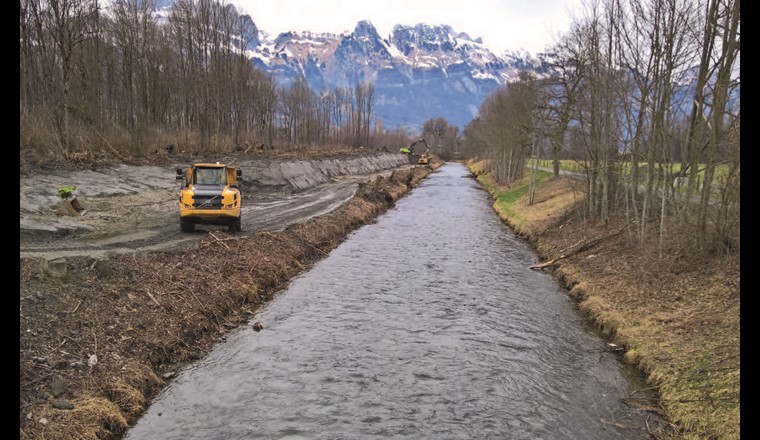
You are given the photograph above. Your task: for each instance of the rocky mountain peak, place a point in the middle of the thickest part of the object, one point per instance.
(424, 37)
(365, 28)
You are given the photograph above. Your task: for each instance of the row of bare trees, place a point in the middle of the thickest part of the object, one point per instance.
(341, 116)
(503, 130)
(94, 72)
(645, 93)
(442, 137)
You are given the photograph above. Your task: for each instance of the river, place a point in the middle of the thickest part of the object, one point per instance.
(424, 324)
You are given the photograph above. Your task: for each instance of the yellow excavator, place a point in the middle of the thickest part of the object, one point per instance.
(209, 195)
(421, 159)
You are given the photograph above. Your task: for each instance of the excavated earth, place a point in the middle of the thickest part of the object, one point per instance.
(134, 207)
(115, 302)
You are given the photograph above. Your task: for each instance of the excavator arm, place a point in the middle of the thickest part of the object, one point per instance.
(414, 157)
(414, 144)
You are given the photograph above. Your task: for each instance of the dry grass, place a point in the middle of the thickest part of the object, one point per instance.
(130, 389)
(681, 329)
(477, 167)
(93, 418)
(553, 199)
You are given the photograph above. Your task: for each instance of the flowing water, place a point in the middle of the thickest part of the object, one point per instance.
(425, 324)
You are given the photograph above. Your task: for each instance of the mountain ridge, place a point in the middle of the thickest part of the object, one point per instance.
(419, 72)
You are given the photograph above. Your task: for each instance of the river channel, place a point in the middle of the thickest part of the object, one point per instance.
(425, 324)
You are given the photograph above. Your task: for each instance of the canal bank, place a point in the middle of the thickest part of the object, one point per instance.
(676, 318)
(101, 340)
(422, 325)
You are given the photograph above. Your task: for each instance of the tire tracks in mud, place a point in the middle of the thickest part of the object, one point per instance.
(140, 214)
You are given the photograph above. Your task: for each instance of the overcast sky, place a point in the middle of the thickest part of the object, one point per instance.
(503, 24)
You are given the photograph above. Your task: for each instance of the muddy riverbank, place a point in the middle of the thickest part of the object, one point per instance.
(133, 207)
(100, 337)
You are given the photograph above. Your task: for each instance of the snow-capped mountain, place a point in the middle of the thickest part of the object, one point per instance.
(419, 72)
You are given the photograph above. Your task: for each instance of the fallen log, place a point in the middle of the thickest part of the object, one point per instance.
(548, 263)
(109, 145)
(578, 247)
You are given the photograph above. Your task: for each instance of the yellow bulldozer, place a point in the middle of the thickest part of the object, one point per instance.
(209, 194)
(424, 159)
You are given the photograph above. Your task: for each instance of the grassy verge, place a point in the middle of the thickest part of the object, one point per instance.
(721, 170)
(676, 315)
(509, 201)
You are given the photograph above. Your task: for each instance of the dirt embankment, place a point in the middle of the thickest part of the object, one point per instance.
(100, 338)
(133, 208)
(676, 315)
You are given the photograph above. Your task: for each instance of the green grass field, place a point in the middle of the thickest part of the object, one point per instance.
(721, 171)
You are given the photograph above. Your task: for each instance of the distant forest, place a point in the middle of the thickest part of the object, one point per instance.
(127, 82)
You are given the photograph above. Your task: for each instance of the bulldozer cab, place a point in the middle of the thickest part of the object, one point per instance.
(209, 174)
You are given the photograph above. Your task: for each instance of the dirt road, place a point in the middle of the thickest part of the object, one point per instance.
(133, 208)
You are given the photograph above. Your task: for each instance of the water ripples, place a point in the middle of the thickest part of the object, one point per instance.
(425, 324)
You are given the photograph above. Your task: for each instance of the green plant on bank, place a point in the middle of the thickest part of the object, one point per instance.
(65, 192)
(506, 196)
